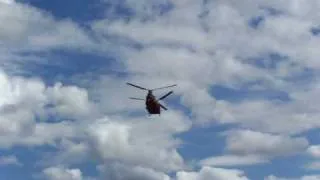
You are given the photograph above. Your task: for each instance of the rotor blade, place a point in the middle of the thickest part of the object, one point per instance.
(136, 98)
(166, 95)
(164, 87)
(163, 106)
(137, 86)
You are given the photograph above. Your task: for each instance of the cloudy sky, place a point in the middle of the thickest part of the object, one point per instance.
(246, 106)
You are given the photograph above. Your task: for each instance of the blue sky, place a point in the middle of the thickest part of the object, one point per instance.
(245, 108)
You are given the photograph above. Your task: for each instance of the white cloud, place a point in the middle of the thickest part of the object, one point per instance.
(117, 171)
(9, 160)
(70, 150)
(233, 160)
(247, 147)
(227, 30)
(252, 142)
(23, 100)
(27, 30)
(179, 47)
(70, 101)
(270, 116)
(60, 173)
(307, 177)
(220, 49)
(47, 133)
(214, 50)
(30, 28)
(313, 165)
(139, 147)
(314, 151)
(112, 96)
(207, 173)
(147, 142)
(7, 1)
(313, 177)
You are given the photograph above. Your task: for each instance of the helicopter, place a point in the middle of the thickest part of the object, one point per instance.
(153, 106)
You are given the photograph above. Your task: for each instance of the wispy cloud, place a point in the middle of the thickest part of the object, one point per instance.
(9, 160)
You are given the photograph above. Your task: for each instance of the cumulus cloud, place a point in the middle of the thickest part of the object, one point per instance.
(140, 142)
(207, 173)
(247, 147)
(251, 142)
(270, 116)
(143, 142)
(117, 171)
(28, 31)
(197, 45)
(70, 101)
(25, 100)
(60, 173)
(7, 1)
(32, 28)
(201, 45)
(314, 151)
(70, 150)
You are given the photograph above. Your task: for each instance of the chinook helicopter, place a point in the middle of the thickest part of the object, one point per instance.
(153, 106)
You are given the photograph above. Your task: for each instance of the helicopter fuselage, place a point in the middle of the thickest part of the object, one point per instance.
(152, 105)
